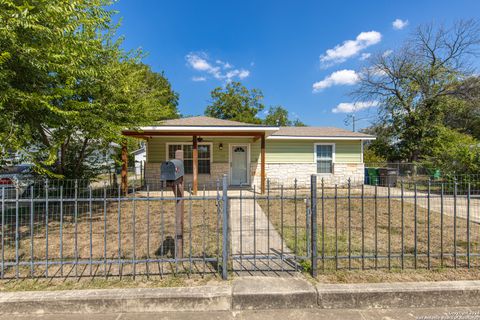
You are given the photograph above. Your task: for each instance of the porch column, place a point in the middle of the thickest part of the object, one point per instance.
(262, 170)
(195, 165)
(124, 175)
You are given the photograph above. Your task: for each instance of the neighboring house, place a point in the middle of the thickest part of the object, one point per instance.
(103, 158)
(237, 149)
(140, 157)
(97, 158)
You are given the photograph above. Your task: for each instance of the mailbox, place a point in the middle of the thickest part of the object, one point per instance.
(171, 170)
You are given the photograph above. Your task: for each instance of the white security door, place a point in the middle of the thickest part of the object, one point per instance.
(239, 163)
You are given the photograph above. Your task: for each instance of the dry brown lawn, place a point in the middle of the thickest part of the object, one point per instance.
(135, 229)
(344, 232)
(397, 275)
(49, 284)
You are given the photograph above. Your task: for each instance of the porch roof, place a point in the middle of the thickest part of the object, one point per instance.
(207, 126)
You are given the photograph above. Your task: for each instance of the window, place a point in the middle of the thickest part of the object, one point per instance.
(324, 154)
(204, 157)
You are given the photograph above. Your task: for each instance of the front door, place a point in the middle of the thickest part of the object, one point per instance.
(239, 164)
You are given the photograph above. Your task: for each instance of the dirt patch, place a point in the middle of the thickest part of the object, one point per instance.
(372, 276)
(113, 283)
(107, 236)
(375, 233)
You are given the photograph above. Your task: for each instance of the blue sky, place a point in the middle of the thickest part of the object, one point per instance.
(303, 55)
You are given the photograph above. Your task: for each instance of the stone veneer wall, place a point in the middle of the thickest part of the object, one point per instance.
(286, 173)
(278, 173)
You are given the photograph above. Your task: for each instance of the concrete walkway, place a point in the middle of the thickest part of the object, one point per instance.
(255, 243)
(449, 204)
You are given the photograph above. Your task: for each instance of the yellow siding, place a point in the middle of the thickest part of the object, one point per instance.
(348, 151)
(302, 151)
(278, 151)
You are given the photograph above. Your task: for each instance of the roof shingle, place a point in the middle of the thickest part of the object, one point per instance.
(205, 121)
(318, 132)
(313, 132)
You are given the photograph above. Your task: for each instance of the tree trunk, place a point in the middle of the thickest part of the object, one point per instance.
(81, 157)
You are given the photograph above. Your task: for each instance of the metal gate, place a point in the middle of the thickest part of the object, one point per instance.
(269, 232)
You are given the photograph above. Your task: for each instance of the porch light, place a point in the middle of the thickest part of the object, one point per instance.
(220, 146)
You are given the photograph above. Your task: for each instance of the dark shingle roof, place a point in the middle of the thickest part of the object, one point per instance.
(205, 121)
(319, 132)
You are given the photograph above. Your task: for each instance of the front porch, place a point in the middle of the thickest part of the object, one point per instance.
(238, 152)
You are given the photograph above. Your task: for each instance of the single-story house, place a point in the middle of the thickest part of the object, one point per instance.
(251, 153)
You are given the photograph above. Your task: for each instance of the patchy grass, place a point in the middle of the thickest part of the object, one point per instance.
(350, 227)
(97, 231)
(112, 283)
(397, 275)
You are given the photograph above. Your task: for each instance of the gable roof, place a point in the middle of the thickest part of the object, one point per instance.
(206, 121)
(203, 124)
(318, 132)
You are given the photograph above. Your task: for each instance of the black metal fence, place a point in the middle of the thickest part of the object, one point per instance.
(75, 228)
(89, 229)
(432, 224)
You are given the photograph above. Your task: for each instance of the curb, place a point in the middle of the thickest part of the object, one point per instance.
(250, 293)
(206, 298)
(255, 293)
(399, 295)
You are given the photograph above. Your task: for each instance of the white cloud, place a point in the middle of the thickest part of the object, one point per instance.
(350, 48)
(365, 56)
(197, 62)
(399, 24)
(349, 107)
(341, 77)
(224, 64)
(386, 53)
(241, 74)
(220, 70)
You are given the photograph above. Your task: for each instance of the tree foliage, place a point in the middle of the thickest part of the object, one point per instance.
(454, 152)
(418, 87)
(66, 86)
(236, 102)
(463, 114)
(278, 116)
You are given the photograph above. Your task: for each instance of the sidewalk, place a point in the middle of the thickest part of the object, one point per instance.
(252, 234)
(248, 293)
(450, 206)
(457, 313)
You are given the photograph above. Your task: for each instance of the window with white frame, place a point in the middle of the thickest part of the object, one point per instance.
(324, 157)
(204, 156)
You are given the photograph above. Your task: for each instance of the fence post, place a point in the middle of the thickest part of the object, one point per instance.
(225, 228)
(313, 224)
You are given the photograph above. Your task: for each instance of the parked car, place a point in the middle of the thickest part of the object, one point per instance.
(13, 177)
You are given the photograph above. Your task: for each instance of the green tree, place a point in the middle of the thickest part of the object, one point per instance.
(278, 116)
(463, 113)
(66, 87)
(454, 153)
(129, 96)
(235, 102)
(371, 157)
(413, 82)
